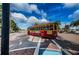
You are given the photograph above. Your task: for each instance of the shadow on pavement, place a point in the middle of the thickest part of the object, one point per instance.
(67, 44)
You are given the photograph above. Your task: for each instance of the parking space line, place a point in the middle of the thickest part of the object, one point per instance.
(61, 47)
(21, 49)
(20, 43)
(38, 47)
(57, 44)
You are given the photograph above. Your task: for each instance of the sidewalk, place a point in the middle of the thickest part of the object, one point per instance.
(70, 37)
(15, 35)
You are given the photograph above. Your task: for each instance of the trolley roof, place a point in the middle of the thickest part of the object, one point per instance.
(41, 25)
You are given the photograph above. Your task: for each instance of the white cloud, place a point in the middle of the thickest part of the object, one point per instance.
(43, 20)
(75, 15)
(43, 14)
(33, 7)
(20, 19)
(18, 16)
(70, 16)
(69, 5)
(26, 7)
(32, 19)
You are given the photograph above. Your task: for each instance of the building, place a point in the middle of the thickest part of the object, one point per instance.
(75, 29)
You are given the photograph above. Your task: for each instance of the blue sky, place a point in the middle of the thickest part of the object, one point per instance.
(26, 14)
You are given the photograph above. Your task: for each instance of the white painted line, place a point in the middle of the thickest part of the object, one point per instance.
(20, 43)
(31, 38)
(66, 51)
(21, 49)
(57, 44)
(61, 48)
(11, 45)
(51, 49)
(38, 47)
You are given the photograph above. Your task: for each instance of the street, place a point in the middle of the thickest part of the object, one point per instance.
(70, 37)
(21, 40)
(67, 41)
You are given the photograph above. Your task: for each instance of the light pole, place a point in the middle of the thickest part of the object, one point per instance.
(5, 29)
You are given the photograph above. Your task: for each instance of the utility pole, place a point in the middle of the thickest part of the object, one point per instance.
(5, 29)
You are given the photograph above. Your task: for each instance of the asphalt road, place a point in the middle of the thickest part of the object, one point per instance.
(22, 40)
(69, 42)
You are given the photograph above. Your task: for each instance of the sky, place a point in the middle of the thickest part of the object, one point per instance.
(26, 14)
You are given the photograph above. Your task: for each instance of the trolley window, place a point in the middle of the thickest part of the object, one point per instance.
(55, 27)
(51, 27)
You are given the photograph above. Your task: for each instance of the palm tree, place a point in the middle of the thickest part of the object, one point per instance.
(75, 23)
(58, 23)
(36, 23)
(66, 28)
(14, 27)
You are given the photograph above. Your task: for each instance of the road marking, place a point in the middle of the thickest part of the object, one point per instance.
(31, 38)
(20, 43)
(38, 47)
(51, 49)
(21, 49)
(61, 48)
(66, 51)
(11, 45)
(57, 44)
